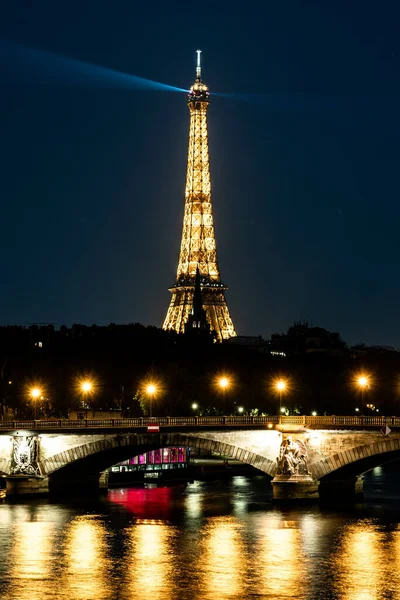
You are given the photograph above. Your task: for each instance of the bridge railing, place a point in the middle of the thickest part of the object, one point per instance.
(139, 422)
(215, 421)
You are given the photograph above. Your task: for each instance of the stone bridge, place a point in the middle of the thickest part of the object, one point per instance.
(315, 460)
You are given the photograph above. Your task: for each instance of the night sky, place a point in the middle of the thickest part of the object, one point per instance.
(305, 156)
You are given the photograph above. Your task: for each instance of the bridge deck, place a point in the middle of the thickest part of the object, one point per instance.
(317, 422)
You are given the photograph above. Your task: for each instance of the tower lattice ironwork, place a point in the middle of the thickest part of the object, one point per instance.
(198, 248)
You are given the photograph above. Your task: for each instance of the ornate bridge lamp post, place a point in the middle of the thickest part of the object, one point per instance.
(35, 393)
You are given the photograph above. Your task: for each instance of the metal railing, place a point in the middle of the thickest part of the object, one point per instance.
(228, 421)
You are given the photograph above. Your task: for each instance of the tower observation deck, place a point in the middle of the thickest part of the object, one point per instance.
(198, 247)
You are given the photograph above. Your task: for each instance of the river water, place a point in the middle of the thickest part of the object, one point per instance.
(208, 540)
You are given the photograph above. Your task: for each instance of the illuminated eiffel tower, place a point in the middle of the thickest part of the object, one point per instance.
(198, 248)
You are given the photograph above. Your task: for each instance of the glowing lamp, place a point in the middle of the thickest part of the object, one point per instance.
(86, 386)
(223, 382)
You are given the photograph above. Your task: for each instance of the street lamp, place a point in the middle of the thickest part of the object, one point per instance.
(223, 383)
(151, 390)
(363, 383)
(240, 410)
(87, 389)
(195, 406)
(281, 386)
(35, 393)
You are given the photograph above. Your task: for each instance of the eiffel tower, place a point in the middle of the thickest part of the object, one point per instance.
(198, 248)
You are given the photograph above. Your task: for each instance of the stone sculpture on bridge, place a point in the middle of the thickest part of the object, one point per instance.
(24, 456)
(292, 459)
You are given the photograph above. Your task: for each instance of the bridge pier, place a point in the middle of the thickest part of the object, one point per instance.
(26, 486)
(103, 481)
(77, 484)
(295, 488)
(349, 489)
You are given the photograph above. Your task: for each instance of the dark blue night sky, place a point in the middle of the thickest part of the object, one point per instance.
(305, 157)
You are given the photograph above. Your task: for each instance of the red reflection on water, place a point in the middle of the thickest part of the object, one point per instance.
(144, 503)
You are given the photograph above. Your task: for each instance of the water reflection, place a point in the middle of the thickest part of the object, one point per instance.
(145, 503)
(282, 568)
(150, 562)
(86, 562)
(194, 505)
(204, 542)
(223, 559)
(30, 560)
(363, 568)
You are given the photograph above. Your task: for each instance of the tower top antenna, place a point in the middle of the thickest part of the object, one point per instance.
(198, 68)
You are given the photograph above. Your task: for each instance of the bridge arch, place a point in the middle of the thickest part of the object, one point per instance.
(96, 456)
(357, 461)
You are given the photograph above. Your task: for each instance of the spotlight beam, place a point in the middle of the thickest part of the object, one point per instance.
(34, 66)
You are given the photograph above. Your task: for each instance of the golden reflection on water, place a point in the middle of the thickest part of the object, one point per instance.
(86, 561)
(223, 561)
(362, 566)
(30, 560)
(149, 561)
(52, 552)
(194, 506)
(280, 558)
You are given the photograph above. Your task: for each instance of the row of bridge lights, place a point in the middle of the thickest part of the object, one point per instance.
(152, 389)
(87, 387)
(362, 381)
(282, 385)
